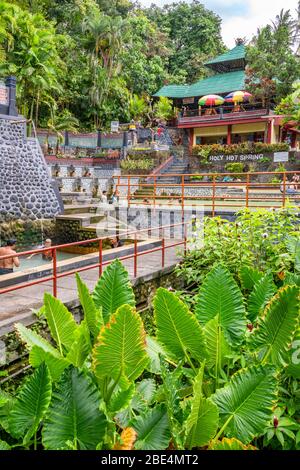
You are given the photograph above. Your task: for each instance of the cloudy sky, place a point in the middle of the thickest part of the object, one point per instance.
(240, 17)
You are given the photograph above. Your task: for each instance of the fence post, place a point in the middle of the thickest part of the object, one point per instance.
(213, 195)
(182, 193)
(100, 257)
(135, 257)
(54, 272)
(163, 249)
(247, 190)
(154, 190)
(128, 190)
(284, 190)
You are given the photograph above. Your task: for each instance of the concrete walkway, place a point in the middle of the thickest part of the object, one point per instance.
(17, 306)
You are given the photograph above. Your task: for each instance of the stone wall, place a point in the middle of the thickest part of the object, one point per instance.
(27, 191)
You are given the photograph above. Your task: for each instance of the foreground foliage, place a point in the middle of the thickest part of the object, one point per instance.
(221, 377)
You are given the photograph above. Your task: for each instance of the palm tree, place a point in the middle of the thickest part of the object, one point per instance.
(58, 123)
(138, 107)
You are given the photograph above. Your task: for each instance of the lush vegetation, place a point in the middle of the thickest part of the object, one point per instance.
(216, 371)
(89, 62)
(135, 164)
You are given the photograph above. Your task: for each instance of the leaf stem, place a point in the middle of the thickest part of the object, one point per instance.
(223, 428)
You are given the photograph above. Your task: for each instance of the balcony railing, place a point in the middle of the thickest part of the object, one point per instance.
(226, 113)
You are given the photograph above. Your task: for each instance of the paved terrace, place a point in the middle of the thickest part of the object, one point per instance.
(17, 306)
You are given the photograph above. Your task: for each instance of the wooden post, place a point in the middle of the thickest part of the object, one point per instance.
(229, 129)
(247, 190)
(213, 195)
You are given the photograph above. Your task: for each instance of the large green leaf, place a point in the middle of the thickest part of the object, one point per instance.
(113, 290)
(152, 429)
(121, 399)
(31, 405)
(262, 292)
(293, 368)
(273, 336)
(60, 321)
(245, 403)
(249, 277)
(5, 409)
(217, 346)
(81, 346)
(55, 363)
(92, 314)
(292, 279)
(74, 414)
(42, 351)
(202, 422)
(293, 246)
(221, 297)
(177, 328)
(4, 445)
(230, 444)
(154, 351)
(120, 351)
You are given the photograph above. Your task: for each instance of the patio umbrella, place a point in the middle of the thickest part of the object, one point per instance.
(237, 96)
(211, 100)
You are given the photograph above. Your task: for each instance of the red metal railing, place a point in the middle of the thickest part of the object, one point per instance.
(253, 193)
(100, 264)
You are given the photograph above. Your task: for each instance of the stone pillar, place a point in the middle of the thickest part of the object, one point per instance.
(269, 132)
(98, 138)
(11, 82)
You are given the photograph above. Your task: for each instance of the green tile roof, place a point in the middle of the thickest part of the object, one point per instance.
(217, 84)
(238, 52)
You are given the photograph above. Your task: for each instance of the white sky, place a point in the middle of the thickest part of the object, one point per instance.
(241, 18)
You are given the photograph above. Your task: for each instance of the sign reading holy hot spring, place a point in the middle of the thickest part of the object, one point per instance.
(256, 157)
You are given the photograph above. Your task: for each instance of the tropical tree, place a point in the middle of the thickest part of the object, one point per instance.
(59, 123)
(163, 108)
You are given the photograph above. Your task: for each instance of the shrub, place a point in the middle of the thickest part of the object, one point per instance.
(236, 167)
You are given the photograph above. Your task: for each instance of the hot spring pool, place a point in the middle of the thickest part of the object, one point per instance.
(37, 260)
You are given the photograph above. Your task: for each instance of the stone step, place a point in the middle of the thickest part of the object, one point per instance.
(74, 209)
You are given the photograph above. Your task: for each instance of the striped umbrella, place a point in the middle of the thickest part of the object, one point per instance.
(211, 100)
(237, 96)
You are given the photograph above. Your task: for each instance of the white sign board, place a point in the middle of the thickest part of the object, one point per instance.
(3, 94)
(281, 157)
(114, 126)
(188, 100)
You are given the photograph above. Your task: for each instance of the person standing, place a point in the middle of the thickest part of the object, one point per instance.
(7, 265)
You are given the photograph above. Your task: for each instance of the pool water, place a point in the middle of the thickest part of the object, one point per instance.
(37, 260)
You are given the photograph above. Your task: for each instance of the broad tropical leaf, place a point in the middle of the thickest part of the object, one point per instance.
(202, 422)
(293, 368)
(249, 277)
(245, 404)
(177, 328)
(217, 346)
(42, 351)
(31, 405)
(292, 279)
(113, 290)
(262, 292)
(120, 351)
(152, 429)
(7, 405)
(55, 363)
(121, 399)
(60, 321)
(81, 346)
(4, 445)
(230, 444)
(293, 246)
(273, 336)
(127, 438)
(92, 314)
(74, 414)
(221, 297)
(154, 350)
